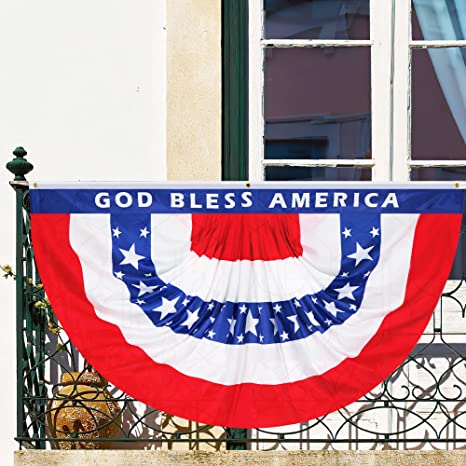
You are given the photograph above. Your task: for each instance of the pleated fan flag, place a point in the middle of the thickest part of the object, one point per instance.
(240, 306)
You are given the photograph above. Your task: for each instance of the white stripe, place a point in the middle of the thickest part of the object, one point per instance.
(228, 365)
(245, 280)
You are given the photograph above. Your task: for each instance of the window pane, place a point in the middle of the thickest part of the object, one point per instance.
(317, 103)
(316, 19)
(438, 174)
(296, 149)
(438, 104)
(439, 19)
(317, 174)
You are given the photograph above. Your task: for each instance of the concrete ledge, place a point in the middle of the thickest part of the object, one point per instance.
(239, 458)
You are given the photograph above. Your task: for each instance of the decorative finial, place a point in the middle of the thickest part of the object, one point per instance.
(19, 166)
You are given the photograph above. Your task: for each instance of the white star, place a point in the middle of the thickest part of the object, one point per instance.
(346, 291)
(211, 334)
(131, 257)
(251, 324)
(275, 329)
(240, 338)
(297, 303)
(191, 319)
(148, 275)
(374, 232)
(212, 319)
(144, 232)
(167, 307)
(361, 254)
(312, 319)
(346, 232)
(261, 338)
(119, 275)
(344, 274)
(330, 307)
(243, 309)
(328, 322)
(352, 307)
(210, 306)
(314, 300)
(143, 288)
(277, 308)
(140, 301)
(259, 309)
(284, 336)
(116, 232)
(294, 319)
(367, 273)
(232, 323)
(185, 302)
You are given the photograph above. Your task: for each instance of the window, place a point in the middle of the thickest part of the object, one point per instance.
(357, 90)
(351, 90)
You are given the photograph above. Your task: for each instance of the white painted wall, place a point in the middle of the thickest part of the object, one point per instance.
(82, 88)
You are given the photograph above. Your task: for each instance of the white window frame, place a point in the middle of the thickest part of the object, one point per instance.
(391, 44)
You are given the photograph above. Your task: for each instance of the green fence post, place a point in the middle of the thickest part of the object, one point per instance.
(20, 167)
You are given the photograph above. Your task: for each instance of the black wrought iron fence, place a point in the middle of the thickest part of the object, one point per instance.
(64, 403)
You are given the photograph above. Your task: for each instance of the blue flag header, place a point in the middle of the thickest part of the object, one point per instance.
(228, 198)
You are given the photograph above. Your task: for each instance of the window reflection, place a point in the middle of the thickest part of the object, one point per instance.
(316, 19)
(317, 174)
(317, 103)
(438, 174)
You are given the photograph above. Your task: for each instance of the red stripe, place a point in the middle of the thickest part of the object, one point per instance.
(245, 405)
(234, 237)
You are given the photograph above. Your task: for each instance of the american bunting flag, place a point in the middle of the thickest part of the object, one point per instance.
(245, 306)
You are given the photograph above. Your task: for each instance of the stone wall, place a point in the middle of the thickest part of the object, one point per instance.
(194, 90)
(239, 458)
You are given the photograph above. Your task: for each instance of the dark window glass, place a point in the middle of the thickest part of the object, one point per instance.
(438, 104)
(317, 174)
(438, 174)
(317, 103)
(297, 149)
(316, 19)
(439, 19)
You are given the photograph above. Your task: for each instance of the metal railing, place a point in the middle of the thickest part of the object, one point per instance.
(63, 403)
